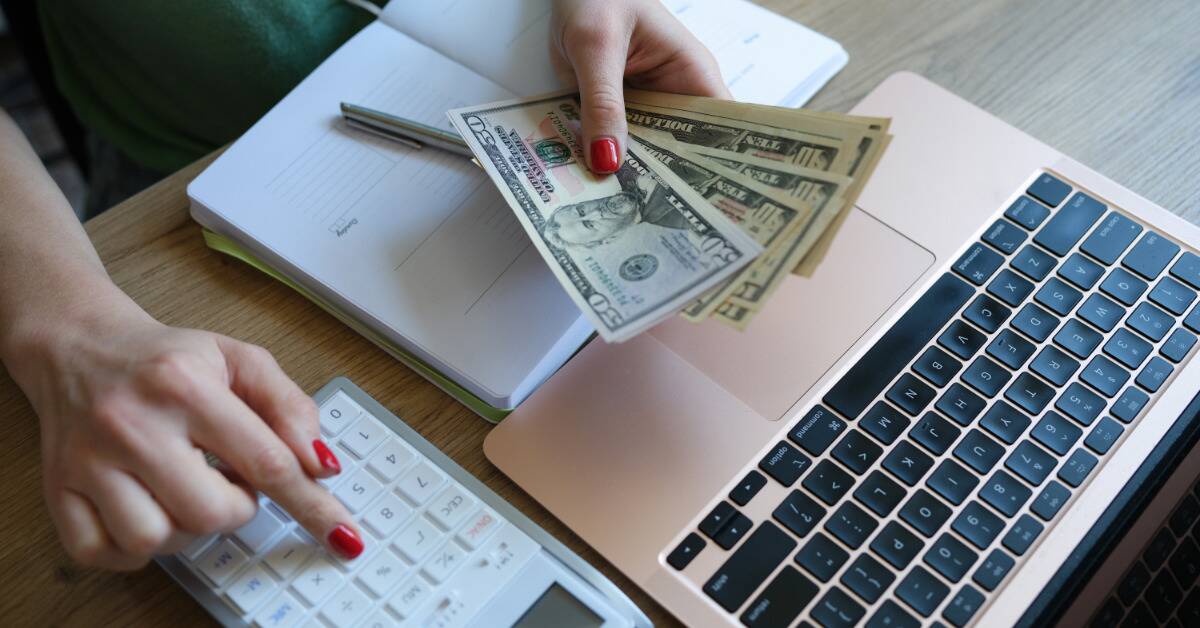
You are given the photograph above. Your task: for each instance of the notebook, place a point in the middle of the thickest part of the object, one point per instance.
(415, 249)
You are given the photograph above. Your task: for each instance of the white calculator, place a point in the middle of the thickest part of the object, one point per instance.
(443, 550)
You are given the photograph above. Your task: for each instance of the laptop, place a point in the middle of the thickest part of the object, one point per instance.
(953, 419)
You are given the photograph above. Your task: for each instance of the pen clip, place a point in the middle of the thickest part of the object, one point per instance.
(383, 133)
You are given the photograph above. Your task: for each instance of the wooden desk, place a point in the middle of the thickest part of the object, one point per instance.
(1113, 83)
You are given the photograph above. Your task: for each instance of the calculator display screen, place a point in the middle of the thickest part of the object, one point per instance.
(556, 608)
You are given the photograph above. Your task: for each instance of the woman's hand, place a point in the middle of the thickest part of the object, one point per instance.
(127, 408)
(608, 42)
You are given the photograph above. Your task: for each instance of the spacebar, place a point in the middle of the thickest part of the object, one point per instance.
(891, 353)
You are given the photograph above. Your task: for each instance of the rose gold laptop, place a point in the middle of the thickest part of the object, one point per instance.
(982, 384)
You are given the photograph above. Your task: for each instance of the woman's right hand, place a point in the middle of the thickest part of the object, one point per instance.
(128, 407)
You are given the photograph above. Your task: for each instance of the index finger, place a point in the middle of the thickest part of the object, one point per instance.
(232, 431)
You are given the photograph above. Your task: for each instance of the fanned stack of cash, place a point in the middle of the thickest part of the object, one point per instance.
(715, 203)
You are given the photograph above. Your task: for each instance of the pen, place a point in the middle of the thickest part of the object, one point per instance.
(408, 132)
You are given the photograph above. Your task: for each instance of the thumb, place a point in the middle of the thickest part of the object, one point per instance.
(599, 62)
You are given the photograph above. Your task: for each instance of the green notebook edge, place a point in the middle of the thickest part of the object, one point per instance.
(492, 414)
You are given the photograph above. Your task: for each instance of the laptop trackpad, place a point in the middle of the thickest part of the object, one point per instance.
(809, 322)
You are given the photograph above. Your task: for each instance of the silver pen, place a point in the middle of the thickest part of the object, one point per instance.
(410, 133)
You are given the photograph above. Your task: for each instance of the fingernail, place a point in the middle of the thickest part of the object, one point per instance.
(604, 155)
(346, 542)
(326, 457)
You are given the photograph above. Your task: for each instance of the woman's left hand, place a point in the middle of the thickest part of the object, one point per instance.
(610, 42)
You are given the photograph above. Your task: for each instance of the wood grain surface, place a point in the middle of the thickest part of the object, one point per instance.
(1113, 83)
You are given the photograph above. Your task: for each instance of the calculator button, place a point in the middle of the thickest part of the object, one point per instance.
(385, 515)
(358, 491)
(390, 459)
(378, 619)
(197, 546)
(420, 483)
(221, 562)
(444, 561)
(251, 589)
(282, 612)
(317, 581)
(337, 412)
(346, 608)
(288, 554)
(451, 507)
(381, 574)
(415, 541)
(408, 597)
(259, 530)
(479, 528)
(364, 437)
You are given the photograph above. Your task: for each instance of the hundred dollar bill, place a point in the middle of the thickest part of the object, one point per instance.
(769, 217)
(632, 248)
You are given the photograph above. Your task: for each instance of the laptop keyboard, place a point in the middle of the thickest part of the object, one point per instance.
(933, 466)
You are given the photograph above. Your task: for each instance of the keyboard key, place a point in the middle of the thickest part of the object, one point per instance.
(1056, 433)
(922, 591)
(1127, 348)
(896, 348)
(856, 452)
(1173, 296)
(937, 366)
(1054, 365)
(1105, 376)
(884, 422)
(962, 606)
(364, 436)
(1068, 225)
(1035, 322)
(748, 566)
(1151, 255)
(417, 539)
(1129, 404)
(1010, 349)
(1123, 286)
(978, 263)
(1185, 563)
(733, 531)
(382, 574)
(950, 557)
(1010, 288)
(868, 578)
(251, 588)
(1101, 311)
(391, 458)
(1076, 469)
(1005, 236)
(283, 611)
(319, 580)
(1192, 321)
(828, 482)
(986, 376)
(991, 573)
(879, 493)
(1004, 493)
(259, 531)
(799, 513)
(952, 481)
(1080, 404)
(346, 607)
(221, 562)
(1159, 549)
(1030, 463)
(851, 524)
(978, 525)
(924, 512)
(358, 490)
(1155, 374)
(978, 451)
(420, 483)
(1033, 262)
(747, 488)
(1185, 515)
(934, 433)
(1104, 436)
(1005, 422)
(837, 610)
(1151, 321)
(910, 394)
(817, 431)
(1187, 269)
(1178, 345)
(963, 340)
(337, 412)
(1058, 296)
(822, 557)
(907, 463)
(1030, 393)
(1050, 501)
(960, 404)
(1081, 271)
(1049, 190)
(717, 519)
(784, 463)
(1077, 338)
(896, 545)
(1110, 239)
(1163, 595)
(987, 313)
(891, 615)
(688, 548)
(1022, 535)
(781, 600)
(385, 515)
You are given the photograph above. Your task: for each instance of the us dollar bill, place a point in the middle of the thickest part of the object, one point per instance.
(630, 248)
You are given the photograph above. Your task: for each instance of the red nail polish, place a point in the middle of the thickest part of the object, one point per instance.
(346, 542)
(604, 155)
(326, 457)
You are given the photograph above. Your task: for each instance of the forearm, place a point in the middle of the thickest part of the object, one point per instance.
(49, 271)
